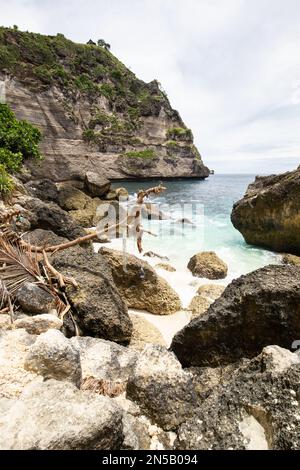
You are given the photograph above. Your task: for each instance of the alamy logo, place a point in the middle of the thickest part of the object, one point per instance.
(296, 345)
(2, 92)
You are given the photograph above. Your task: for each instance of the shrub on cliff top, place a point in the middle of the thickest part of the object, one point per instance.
(179, 133)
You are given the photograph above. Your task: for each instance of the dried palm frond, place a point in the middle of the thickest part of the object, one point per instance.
(19, 265)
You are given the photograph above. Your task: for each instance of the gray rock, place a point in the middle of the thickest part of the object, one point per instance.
(257, 407)
(136, 433)
(104, 360)
(139, 284)
(41, 237)
(14, 345)
(291, 259)
(54, 356)
(96, 304)
(49, 216)
(95, 184)
(268, 215)
(207, 264)
(161, 388)
(34, 299)
(144, 332)
(37, 324)
(5, 322)
(57, 416)
(256, 310)
(71, 198)
(206, 295)
(44, 189)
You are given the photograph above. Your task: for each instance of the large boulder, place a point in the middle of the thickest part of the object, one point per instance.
(104, 364)
(57, 416)
(255, 408)
(139, 284)
(269, 213)
(256, 310)
(49, 216)
(95, 184)
(97, 306)
(54, 356)
(44, 189)
(71, 198)
(207, 264)
(161, 388)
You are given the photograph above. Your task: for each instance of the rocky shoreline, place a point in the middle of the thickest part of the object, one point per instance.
(103, 376)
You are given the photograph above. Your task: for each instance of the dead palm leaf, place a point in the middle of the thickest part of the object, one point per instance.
(19, 265)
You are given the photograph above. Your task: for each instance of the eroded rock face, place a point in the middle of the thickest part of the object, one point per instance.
(256, 310)
(269, 213)
(207, 264)
(139, 284)
(256, 407)
(63, 120)
(161, 388)
(54, 356)
(96, 304)
(79, 420)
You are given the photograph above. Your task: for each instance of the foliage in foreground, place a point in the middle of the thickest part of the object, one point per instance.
(19, 140)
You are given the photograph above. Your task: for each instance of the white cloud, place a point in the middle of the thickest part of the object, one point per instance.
(232, 68)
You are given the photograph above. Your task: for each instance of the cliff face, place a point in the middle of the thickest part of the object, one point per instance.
(95, 115)
(269, 214)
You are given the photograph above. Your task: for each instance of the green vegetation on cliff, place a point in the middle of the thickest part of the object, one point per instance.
(180, 134)
(18, 140)
(43, 61)
(147, 153)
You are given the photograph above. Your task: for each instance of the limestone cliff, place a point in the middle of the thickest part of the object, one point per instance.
(269, 214)
(93, 112)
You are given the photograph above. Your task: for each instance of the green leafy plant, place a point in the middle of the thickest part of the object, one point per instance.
(18, 140)
(172, 144)
(6, 182)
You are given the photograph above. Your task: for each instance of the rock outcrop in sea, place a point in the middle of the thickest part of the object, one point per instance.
(269, 213)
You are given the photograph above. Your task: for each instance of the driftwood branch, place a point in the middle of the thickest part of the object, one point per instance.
(92, 236)
(142, 194)
(62, 280)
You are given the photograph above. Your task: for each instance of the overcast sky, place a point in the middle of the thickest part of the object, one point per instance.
(231, 67)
